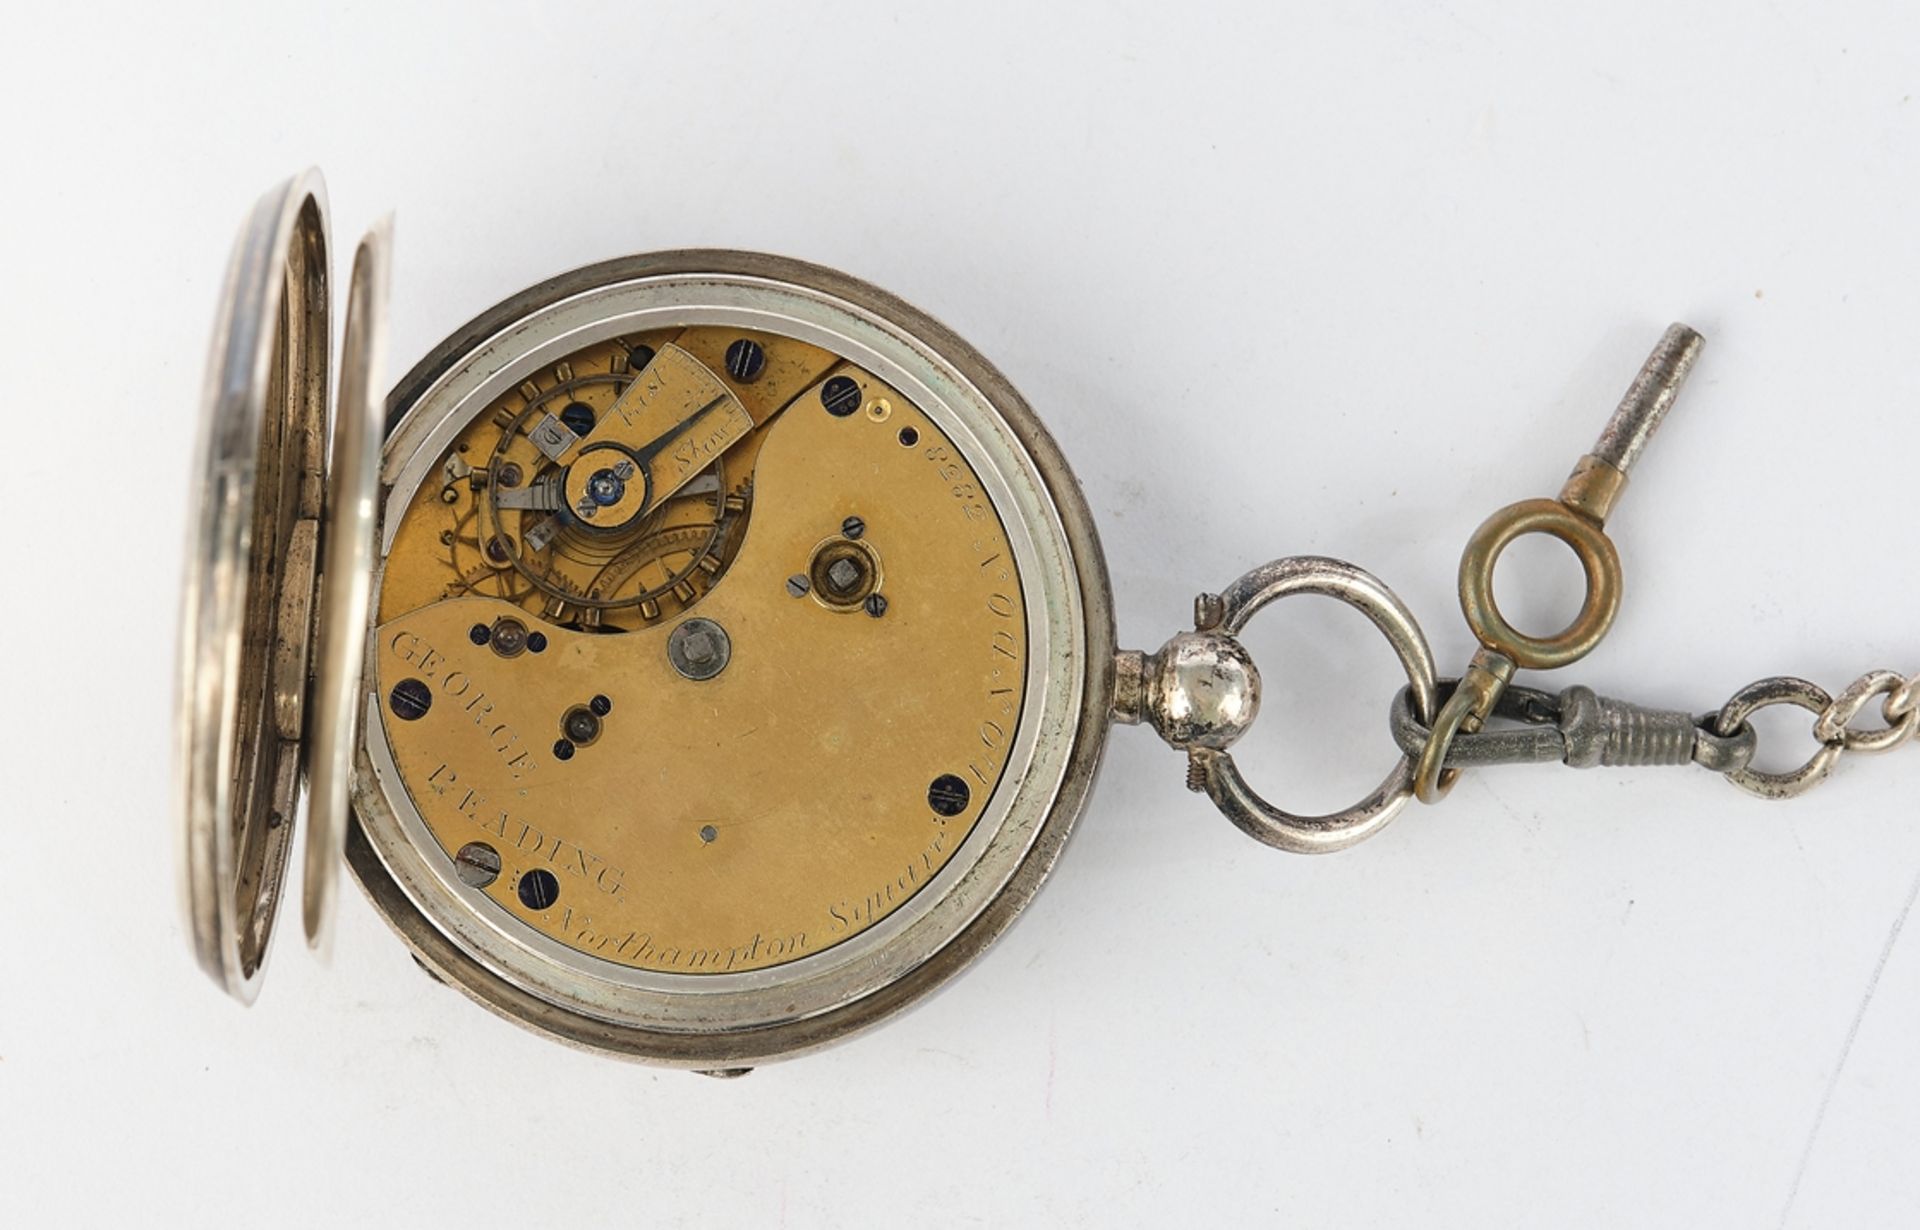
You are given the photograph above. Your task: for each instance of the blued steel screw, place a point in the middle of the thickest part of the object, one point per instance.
(841, 396)
(410, 700)
(745, 360)
(538, 889)
(578, 417)
(948, 795)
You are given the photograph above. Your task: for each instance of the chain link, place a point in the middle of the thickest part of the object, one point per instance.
(1833, 725)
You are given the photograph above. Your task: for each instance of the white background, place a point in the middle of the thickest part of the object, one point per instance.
(1282, 279)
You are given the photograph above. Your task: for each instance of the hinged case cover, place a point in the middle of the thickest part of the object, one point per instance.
(255, 699)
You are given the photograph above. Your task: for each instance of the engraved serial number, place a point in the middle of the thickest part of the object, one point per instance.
(959, 480)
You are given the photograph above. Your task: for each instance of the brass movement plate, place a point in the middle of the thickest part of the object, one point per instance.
(839, 757)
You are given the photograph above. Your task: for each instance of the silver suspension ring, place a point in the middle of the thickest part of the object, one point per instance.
(1201, 692)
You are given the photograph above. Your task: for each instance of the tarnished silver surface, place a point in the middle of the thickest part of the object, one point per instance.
(1780, 690)
(1648, 398)
(1833, 728)
(1835, 725)
(1903, 705)
(1200, 690)
(1720, 753)
(1604, 731)
(245, 613)
(699, 648)
(1582, 729)
(1201, 693)
(353, 495)
(1538, 740)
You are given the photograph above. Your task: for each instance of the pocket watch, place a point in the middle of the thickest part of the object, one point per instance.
(702, 656)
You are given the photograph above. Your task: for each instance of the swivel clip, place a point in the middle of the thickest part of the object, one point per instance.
(1577, 517)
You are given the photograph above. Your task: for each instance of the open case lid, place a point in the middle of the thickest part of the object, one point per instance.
(254, 697)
